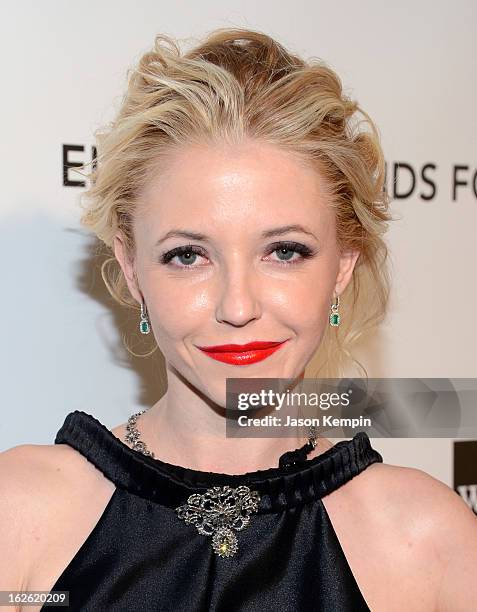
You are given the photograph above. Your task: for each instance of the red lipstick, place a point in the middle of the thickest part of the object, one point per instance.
(241, 354)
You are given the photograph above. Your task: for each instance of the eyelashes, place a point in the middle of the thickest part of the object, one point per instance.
(179, 252)
(190, 252)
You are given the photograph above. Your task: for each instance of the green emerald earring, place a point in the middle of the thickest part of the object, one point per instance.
(334, 314)
(144, 325)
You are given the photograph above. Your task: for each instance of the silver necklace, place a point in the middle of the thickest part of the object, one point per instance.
(220, 511)
(133, 437)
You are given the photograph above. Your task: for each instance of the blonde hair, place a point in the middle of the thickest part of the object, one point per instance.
(241, 84)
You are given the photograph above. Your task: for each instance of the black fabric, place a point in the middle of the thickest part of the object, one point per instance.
(295, 457)
(141, 556)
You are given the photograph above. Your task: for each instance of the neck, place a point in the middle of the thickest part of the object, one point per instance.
(183, 429)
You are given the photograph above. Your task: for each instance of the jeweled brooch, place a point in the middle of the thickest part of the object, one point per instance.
(218, 512)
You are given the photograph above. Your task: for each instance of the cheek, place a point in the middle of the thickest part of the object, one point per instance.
(175, 310)
(303, 307)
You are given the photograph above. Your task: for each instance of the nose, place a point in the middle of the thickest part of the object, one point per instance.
(238, 302)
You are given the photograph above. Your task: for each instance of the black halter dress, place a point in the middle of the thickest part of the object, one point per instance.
(143, 555)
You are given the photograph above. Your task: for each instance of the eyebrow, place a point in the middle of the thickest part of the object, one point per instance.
(275, 231)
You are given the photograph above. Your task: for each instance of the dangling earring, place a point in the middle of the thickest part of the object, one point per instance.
(144, 325)
(334, 314)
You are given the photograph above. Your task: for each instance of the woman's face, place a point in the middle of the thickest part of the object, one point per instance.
(263, 264)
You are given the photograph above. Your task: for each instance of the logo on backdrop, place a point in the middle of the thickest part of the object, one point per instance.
(405, 180)
(74, 156)
(465, 471)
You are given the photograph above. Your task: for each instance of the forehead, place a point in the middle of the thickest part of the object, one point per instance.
(233, 185)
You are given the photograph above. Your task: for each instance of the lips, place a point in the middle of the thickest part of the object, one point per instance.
(241, 354)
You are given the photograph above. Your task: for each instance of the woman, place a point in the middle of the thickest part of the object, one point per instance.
(242, 206)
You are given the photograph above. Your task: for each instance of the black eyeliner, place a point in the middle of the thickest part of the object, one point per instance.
(304, 251)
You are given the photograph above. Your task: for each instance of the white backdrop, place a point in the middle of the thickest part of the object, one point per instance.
(412, 67)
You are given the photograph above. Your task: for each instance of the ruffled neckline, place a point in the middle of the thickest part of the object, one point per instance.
(170, 485)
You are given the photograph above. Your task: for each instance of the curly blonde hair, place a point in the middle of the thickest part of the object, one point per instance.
(241, 84)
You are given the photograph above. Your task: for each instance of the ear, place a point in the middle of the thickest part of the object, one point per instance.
(346, 266)
(127, 266)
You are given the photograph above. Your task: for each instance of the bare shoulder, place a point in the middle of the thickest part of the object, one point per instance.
(35, 472)
(393, 508)
(424, 503)
(27, 483)
(448, 536)
(41, 486)
(433, 523)
(381, 479)
(411, 491)
(417, 533)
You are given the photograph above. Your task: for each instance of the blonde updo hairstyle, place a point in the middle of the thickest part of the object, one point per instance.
(240, 84)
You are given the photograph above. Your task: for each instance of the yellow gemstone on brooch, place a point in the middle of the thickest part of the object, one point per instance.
(218, 512)
(224, 542)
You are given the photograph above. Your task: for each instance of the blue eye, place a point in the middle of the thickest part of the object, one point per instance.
(288, 249)
(188, 254)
